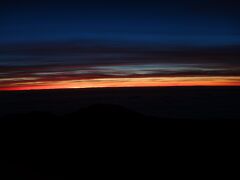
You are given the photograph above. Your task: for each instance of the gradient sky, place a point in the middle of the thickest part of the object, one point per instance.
(77, 44)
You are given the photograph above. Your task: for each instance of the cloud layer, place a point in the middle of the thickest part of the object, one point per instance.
(81, 64)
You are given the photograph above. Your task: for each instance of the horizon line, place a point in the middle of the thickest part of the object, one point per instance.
(128, 87)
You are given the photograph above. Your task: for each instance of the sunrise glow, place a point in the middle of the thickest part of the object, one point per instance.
(126, 82)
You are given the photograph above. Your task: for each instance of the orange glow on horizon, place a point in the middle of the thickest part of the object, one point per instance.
(125, 82)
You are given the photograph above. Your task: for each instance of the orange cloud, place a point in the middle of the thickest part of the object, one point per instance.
(127, 82)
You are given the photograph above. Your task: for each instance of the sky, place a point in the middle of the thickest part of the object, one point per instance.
(80, 44)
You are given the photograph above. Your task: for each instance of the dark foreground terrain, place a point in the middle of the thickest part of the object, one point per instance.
(113, 132)
(170, 102)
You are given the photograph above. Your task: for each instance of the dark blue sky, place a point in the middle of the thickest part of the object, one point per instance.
(174, 22)
(79, 43)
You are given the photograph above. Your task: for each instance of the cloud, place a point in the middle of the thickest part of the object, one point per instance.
(46, 75)
(47, 64)
(99, 53)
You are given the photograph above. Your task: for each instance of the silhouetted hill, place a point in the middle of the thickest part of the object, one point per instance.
(100, 138)
(168, 102)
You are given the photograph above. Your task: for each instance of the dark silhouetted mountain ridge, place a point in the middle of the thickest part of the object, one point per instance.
(101, 138)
